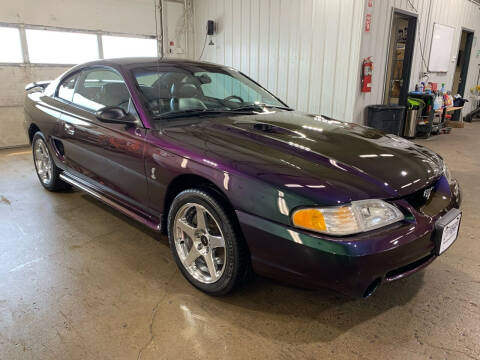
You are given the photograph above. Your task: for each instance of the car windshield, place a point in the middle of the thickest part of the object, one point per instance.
(173, 91)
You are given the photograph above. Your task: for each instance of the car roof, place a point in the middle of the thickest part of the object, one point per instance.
(128, 63)
(146, 61)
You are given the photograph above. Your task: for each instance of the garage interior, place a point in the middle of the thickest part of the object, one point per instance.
(79, 280)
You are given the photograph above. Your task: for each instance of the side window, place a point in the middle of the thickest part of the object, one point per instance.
(98, 88)
(147, 79)
(65, 90)
(221, 86)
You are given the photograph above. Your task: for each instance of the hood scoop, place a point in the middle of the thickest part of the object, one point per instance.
(267, 128)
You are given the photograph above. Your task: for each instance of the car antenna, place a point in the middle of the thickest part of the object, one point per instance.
(160, 52)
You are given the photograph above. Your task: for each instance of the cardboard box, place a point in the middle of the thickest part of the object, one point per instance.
(454, 124)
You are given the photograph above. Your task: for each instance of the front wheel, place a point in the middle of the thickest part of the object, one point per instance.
(47, 172)
(205, 244)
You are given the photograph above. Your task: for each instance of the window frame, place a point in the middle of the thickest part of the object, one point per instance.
(98, 33)
(161, 66)
(101, 40)
(68, 76)
(60, 82)
(79, 73)
(70, 31)
(22, 44)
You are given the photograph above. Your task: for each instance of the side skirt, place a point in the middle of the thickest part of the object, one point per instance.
(84, 186)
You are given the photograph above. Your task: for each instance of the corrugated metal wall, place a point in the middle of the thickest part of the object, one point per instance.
(304, 51)
(455, 13)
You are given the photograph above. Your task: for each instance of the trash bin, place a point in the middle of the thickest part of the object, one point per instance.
(388, 118)
(415, 107)
(410, 129)
(426, 112)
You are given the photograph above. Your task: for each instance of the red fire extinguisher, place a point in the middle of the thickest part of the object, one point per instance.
(367, 71)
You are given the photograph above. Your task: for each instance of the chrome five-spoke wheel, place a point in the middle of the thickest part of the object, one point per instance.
(43, 162)
(206, 245)
(199, 243)
(47, 171)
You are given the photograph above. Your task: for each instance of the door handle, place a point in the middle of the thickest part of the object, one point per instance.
(69, 129)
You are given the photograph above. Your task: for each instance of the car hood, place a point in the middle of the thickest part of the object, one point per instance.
(333, 161)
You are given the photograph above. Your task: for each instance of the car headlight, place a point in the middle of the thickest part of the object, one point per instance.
(358, 216)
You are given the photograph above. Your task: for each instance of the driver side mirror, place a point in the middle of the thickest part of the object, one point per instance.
(115, 115)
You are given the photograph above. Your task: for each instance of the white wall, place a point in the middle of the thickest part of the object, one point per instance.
(117, 16)
(304, 51)
(12, 82)
(124, 16)
(309, 52)
(455, 13)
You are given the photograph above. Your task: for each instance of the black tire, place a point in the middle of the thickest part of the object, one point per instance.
(54, 183)
(236, 253)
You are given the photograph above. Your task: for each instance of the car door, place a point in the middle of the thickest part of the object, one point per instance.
(109, 156)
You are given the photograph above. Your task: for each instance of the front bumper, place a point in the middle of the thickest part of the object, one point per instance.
(350, 265)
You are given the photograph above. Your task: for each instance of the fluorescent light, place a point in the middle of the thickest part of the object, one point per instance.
(369, 156)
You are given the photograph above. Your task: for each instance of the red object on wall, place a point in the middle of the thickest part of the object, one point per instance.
(370, 3)
(368, 22)
(367, 72)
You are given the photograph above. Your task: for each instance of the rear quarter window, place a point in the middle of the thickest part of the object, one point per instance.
(67, 87)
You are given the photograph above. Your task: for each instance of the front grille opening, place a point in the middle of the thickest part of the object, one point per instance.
(417, 199)
(391, 275)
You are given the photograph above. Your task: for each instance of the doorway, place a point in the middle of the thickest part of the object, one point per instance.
(463, 59)
(461, 70)
(400, 55)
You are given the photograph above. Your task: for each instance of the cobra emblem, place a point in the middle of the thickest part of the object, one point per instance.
(427, 193)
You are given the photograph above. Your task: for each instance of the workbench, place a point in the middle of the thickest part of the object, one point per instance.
(443, 112)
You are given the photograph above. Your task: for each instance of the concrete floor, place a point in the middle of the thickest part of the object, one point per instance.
(81, 281)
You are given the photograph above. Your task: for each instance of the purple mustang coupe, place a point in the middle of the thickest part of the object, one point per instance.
(240, 181)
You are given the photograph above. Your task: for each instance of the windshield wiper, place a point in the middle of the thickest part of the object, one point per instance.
(260, 106)
(190, 112)
(240, 110)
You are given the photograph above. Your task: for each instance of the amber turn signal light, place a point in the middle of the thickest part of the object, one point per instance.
(309, 219)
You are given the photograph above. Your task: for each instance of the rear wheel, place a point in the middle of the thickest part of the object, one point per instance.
(47, 172)
(206, 247)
